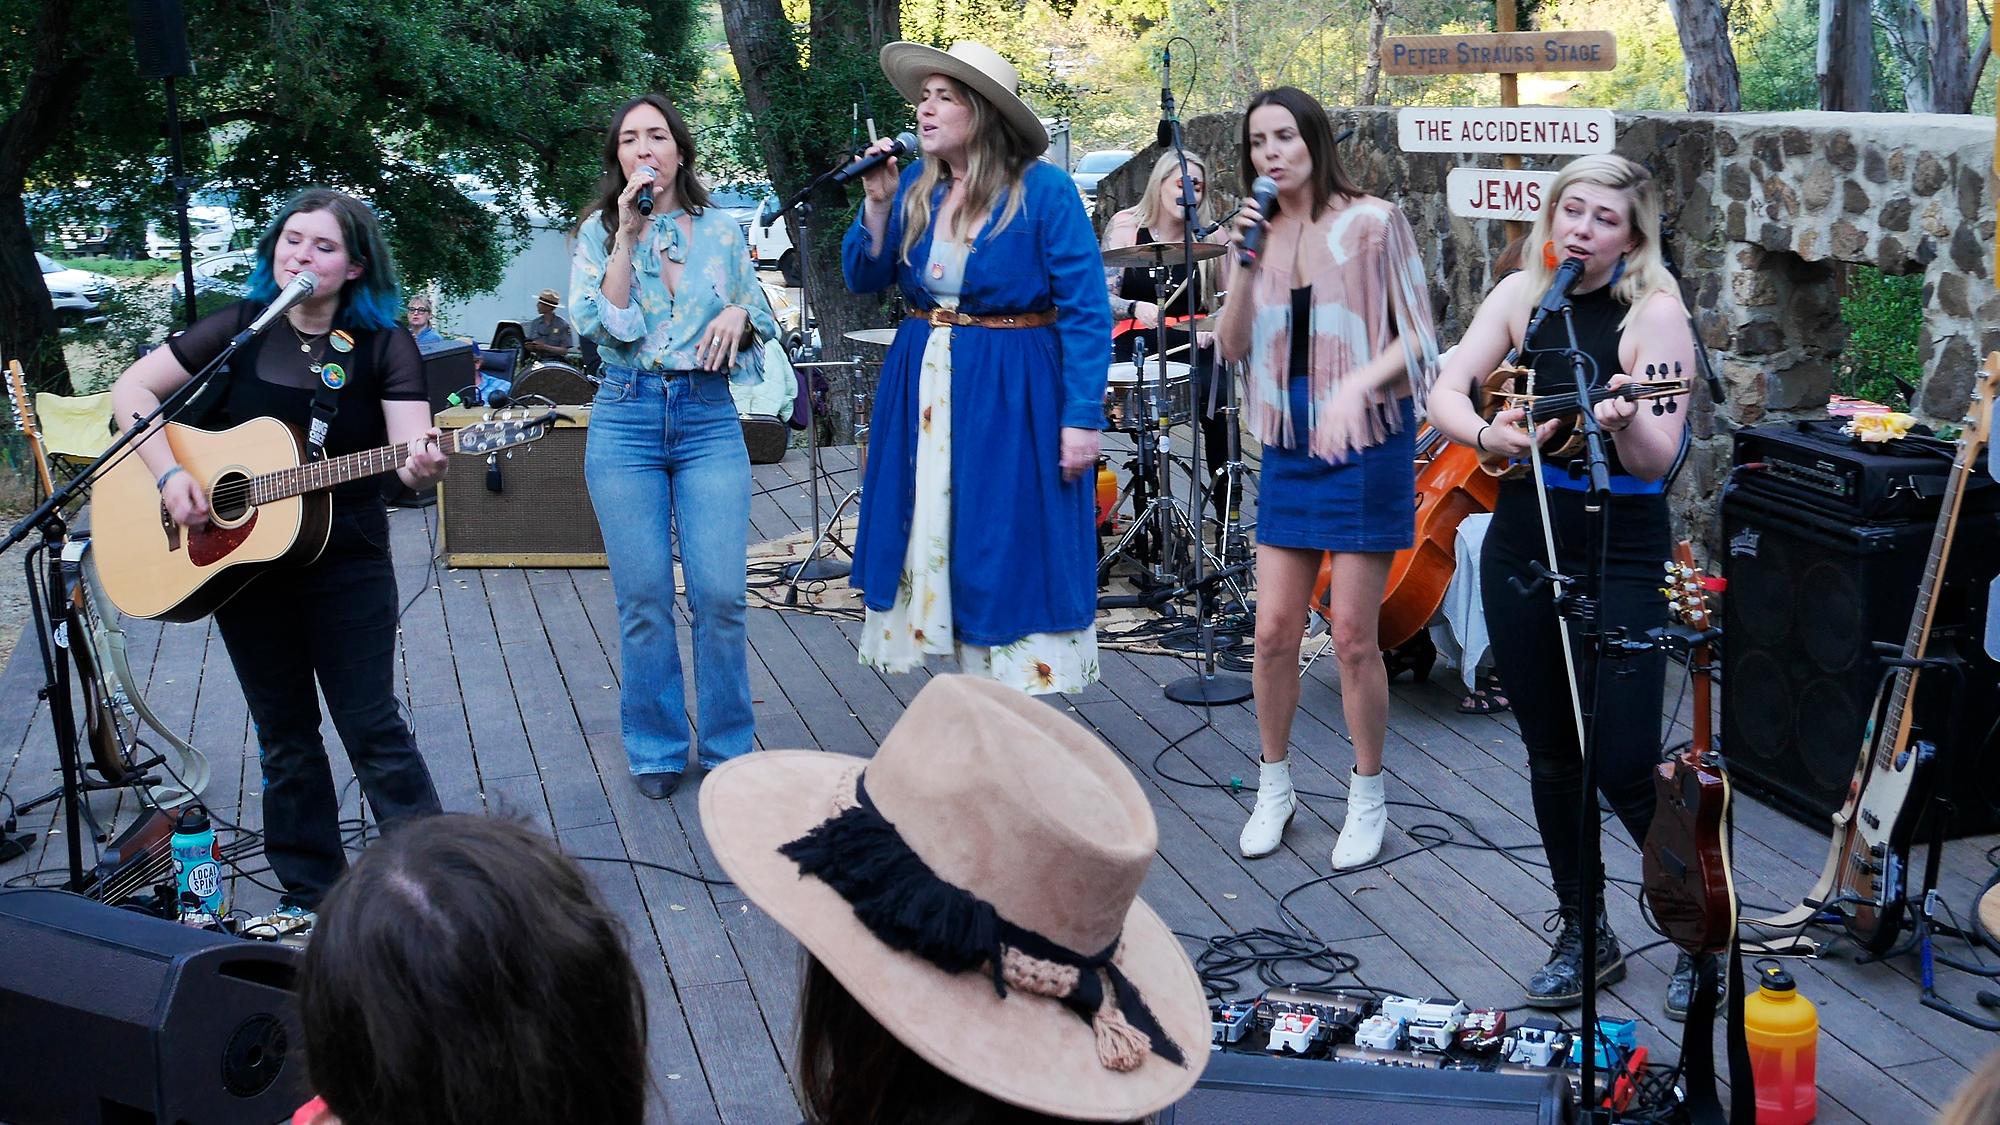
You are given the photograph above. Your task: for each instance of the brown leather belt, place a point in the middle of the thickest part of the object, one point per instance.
(948, 318)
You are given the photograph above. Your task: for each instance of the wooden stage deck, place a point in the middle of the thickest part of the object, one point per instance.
(511, 677)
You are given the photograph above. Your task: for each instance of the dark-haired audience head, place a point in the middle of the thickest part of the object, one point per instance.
(1288, 126)
(853, 1072)
(463, 972)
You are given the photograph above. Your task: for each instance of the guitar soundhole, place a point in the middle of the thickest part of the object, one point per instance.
(229, 497)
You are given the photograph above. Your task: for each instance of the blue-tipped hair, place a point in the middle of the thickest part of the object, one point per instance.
(370, 301)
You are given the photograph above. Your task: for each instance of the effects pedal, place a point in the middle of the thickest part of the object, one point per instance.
(1482, 1030)
(1384, 1033)
(1229, 1022)
(1293, 1033)
(1339, 1012)
(1539, 1041)
(1430, 1025)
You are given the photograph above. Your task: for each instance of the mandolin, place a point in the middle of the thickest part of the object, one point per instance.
(1871, 848)
(1686, 854)
(269, 508)
(1507, 387)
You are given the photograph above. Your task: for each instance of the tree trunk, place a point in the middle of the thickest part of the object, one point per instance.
(29, 330)
(1846, 62)
(1951, 78)
(767, 62)
(1712, 85)
(1371, 78)
(1909, 34)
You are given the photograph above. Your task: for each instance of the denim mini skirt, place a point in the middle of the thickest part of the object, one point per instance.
(1366, 502)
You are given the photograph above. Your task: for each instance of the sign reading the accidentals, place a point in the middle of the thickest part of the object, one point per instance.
(1519, 129)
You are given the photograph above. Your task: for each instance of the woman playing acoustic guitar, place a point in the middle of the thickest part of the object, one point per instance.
(1628, 315)
(333, 621)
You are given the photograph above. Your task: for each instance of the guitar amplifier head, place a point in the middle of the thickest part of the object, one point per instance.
(541, 513)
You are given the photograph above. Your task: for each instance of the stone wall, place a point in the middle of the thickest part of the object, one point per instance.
(1763, 208)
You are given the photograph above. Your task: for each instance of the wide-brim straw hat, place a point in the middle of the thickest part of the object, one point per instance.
(978, 67)
(1009, 803)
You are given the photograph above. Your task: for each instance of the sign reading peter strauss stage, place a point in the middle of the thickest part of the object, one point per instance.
(1508, 52)
(1511, 129)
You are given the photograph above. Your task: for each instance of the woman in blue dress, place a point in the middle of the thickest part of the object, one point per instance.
(977, 533)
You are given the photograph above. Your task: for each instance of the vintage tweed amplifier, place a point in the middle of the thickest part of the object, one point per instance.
(541, 513)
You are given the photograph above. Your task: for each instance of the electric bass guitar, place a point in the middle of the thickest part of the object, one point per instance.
(1686, 856)
(1872, 847)
(269, 507)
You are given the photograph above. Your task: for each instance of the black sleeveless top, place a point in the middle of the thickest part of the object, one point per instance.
(1136, 284)
(1596, 315)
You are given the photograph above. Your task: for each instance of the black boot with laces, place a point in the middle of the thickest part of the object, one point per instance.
(1559, 984)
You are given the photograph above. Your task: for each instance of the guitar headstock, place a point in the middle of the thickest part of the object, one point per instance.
(22, 403)
(504, 431)
(1979, 412)
(1687, 597)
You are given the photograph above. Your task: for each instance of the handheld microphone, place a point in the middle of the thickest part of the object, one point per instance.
(905, 143)
(298, 289)
(1265, 191)
(646, 195)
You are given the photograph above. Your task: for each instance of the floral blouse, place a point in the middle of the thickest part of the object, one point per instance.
(658, 330)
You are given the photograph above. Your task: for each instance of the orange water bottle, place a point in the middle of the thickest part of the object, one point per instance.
(1782, 1029)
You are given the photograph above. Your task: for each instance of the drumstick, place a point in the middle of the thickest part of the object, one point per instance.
(1177, 348)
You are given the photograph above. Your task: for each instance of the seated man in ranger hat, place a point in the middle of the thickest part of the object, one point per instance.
(549, 336)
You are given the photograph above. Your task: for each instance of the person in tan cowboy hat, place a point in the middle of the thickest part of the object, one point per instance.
(969, 902)
(991, 398)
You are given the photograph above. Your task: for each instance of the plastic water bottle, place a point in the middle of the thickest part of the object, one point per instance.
(197, 869)
(1782, 1028)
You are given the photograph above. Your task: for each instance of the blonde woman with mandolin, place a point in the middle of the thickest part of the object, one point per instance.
(1628, 317)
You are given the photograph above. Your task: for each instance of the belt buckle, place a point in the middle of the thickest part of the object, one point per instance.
(943, 318)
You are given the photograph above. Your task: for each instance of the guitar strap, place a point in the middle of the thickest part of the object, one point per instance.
(326, 405)
(1698, 1047)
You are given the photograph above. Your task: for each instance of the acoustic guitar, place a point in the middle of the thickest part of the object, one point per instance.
(1872, 847)
(1686, 855)
(269, 508)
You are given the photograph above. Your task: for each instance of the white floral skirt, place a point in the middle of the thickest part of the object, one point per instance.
(919, 624)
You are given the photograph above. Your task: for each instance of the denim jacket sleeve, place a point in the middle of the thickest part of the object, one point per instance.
(873, 274)
(1076, 282)
(596, 317)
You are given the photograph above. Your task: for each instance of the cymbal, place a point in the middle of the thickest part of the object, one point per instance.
(1148, 254)
(882, 336)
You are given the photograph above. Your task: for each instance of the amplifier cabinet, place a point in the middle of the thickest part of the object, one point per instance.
(1808, 595)
(1237, 1088)
(541, 515)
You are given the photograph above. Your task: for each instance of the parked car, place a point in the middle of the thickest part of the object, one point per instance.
(210, 230)
(227, 273)
(75, 293)
(770, 245)
(1095, 166)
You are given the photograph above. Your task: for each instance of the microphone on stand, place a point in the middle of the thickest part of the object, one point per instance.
(905, 143)
(1165, 136)
(1265, 190)
(1567, 276)
(298, 289)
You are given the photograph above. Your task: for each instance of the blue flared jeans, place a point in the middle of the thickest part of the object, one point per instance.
(666, 464)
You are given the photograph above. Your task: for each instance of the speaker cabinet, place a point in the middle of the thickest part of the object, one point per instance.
(114, 1016)
(449, 369)
(1238, 1088)
(541, 513)
(1808, 595)
(159, 38)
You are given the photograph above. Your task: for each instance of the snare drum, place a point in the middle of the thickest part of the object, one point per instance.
(1125, 409)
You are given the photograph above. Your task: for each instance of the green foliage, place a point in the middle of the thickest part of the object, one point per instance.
(1884, 316)
(1777, 43)
(1651, 72)
(121, 267)
(388, 99)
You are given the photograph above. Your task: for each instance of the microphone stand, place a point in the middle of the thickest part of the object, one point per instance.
(812, 568)
(51, 611)
(1208, 687)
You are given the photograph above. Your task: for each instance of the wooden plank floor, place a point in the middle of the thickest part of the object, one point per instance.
(511, 681)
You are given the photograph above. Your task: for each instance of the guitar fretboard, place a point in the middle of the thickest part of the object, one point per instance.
(1896, 728)
(284, 483)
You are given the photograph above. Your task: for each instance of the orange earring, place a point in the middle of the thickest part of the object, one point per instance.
(1549, 254)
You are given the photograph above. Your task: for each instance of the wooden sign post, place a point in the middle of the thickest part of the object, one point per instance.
(1507, 53)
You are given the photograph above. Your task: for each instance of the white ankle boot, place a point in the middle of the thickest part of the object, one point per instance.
(1274, 811)
(1367, 816)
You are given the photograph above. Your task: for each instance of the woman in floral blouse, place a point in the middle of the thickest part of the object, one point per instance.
(674, 305)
